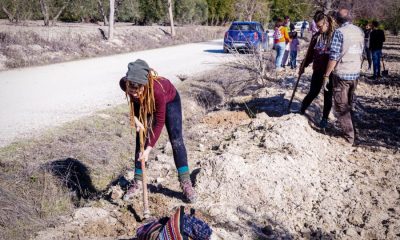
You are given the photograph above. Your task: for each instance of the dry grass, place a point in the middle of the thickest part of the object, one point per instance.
(22, 46)
(41, 179)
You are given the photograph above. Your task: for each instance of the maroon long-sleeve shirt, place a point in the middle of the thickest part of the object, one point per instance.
(164, 93)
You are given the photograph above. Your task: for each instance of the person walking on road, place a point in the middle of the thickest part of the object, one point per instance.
(318, 54)
(376, 40)
(345, 62)
(155, 102)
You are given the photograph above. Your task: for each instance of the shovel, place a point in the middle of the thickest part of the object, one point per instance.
(146, 211)
(294, 91)
(385, 72)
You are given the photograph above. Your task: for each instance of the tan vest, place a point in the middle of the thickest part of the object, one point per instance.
(352, 50)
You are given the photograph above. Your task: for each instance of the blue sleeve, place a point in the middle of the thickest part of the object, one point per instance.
(336, 46)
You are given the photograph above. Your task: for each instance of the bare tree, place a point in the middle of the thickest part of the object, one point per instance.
(102, 12)
(55, 18)
(247, 9)
(47, 13)
(10, 16)
(171, 18)
(327, 5)
(111, 22)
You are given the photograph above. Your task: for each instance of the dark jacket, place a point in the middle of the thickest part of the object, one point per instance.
(317, 54)
(376, 39)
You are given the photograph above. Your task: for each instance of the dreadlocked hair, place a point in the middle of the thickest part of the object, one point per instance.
(327, 36)
(147, 106)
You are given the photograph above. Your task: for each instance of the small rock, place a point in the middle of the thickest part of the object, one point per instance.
(201, 147)
(122, 122)
(215, 147)
(246, 209)
(116, 192)
(351, 232)
(356, 219)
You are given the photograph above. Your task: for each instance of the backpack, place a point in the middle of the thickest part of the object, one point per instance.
(178, 226)
(278, 34)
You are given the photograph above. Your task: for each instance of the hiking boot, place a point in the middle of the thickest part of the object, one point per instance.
(188, 191)
(323, 123)
(133, 190)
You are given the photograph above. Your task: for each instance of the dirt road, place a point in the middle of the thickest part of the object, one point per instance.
(39, 97)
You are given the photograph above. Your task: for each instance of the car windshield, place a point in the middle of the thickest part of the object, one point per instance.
(243, 27)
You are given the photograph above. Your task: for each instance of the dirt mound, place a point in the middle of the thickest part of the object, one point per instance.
(225, 117)
(279, 174)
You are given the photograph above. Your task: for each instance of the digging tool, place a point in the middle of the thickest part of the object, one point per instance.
(385, 72)
(294, 91)
(146, 211)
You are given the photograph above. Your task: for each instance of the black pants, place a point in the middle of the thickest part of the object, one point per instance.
(315, 88)
(173, 122)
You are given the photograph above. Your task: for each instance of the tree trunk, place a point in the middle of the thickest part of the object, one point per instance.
(9, 15)
(55, 18)
(171, 18)
(45, 12)
(111, 22)
(102, 12)
(328, 6)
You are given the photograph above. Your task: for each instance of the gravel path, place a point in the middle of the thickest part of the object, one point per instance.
(33, 99)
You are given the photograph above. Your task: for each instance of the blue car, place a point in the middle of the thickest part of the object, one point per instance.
(245, 36)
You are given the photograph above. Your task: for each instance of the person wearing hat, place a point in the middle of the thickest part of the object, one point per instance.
(155, 102)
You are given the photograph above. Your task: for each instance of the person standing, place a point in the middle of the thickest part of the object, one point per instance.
(287, 48)
(376, 40)
(345, 62)
(318, 54)
(303, 28)
(281, 38)
(367, 51)
(294, 47)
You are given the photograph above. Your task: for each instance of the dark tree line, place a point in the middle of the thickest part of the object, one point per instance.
(211, 12)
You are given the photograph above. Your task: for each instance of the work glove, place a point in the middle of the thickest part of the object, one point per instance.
(138, 124)
(145, 154)
(325, 83)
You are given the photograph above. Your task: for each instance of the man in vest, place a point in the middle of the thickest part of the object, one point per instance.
(345, 63)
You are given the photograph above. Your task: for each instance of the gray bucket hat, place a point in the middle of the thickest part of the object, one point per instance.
(137, 73)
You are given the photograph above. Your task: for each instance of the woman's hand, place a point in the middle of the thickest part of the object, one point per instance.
(145, 154)
(138, 124)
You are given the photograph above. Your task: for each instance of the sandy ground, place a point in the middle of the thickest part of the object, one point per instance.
(275, 175)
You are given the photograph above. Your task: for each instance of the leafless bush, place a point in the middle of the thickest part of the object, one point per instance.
(208, 95)
(259, 64)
